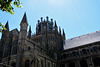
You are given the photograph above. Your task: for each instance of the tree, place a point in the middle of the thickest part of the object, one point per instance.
(7, 6)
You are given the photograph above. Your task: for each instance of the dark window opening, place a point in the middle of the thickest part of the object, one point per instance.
(95, 49)
(13, 64)
(72, 64)
(64, 56)
(84, 52)
(83, 63)
(74, 54)
(29, 48)
(96, 62)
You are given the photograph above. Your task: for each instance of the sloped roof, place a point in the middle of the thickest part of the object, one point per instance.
(82, 40)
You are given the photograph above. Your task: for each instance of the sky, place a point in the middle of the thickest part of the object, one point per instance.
(76, 17)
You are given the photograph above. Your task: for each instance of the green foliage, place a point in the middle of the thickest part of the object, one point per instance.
(2, 27)
(7, 5)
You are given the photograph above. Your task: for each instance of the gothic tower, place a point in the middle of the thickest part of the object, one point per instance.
(21, 41)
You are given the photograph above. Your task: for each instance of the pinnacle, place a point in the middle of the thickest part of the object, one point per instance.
(24, 20)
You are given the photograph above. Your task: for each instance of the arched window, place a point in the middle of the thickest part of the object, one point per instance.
(84, 52)
(95, 49)
(27, 63)
(74, 54)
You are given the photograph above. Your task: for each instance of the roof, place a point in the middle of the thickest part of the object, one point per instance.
(82, 40)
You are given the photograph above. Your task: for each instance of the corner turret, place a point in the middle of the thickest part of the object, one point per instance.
(23, 26)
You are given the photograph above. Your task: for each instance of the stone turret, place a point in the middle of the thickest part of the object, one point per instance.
(23, 26)
(22, 40)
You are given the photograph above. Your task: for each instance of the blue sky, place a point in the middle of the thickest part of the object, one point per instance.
(76, 17)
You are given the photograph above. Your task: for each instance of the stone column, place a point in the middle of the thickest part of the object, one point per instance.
(90, 62)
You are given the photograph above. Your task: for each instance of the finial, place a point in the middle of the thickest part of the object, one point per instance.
(30, 28)
(38, 21)
(55, 24)
(51, 20)
(63, 32)
(41, 18)
(47, 18)
(59, 30)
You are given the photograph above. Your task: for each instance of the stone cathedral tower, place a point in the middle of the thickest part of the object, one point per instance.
(37, 50)
(48, 47)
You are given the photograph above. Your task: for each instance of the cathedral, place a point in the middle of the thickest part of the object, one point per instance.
(47, 47)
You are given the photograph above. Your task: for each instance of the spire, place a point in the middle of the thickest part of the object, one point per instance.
(29, 33)
(47, 18)
(4, 32)
(55, 24)
(24, 20)
(7, 26)
(63, 34)
(41, 19)
(59, 30)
